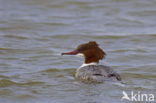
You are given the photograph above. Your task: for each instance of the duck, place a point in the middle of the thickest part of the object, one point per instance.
(91, 71)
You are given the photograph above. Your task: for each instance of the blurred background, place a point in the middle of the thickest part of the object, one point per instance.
(33, 33)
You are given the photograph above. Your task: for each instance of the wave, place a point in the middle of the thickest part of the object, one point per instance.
(6, 83)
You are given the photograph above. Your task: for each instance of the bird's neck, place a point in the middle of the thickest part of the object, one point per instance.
(87, 64)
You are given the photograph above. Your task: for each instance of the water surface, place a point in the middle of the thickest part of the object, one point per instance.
(33, 33)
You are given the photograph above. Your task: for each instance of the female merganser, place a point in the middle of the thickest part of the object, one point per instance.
(90, 71)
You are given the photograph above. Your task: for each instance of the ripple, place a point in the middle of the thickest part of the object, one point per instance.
(32, 83)
(25, 96)
(16, 37)
(3, 76)
(136, 75)
(129, 50)
(35, 91)
(5, 92)
(11, 50)
(51, 70)
(58, 70)
(55, 24)
(19, 50)
(143, 13)
(60, 73)
(3, 64)
(6, 83)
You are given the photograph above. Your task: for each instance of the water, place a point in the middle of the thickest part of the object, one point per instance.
(33, 33)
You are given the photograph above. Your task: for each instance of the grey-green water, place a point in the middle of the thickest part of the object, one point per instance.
(33, 33)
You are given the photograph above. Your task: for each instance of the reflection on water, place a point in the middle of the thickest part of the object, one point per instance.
(33, 33)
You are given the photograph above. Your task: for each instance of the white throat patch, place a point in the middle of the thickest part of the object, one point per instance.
(80, 54)
(84, 64)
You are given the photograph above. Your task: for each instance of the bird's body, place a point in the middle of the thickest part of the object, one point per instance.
(96, 73)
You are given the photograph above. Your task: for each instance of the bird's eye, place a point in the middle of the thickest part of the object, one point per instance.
(79, 49)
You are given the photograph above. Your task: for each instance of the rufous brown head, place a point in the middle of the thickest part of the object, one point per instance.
(90, 50)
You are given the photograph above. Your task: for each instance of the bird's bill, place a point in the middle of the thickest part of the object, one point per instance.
(74, 52)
